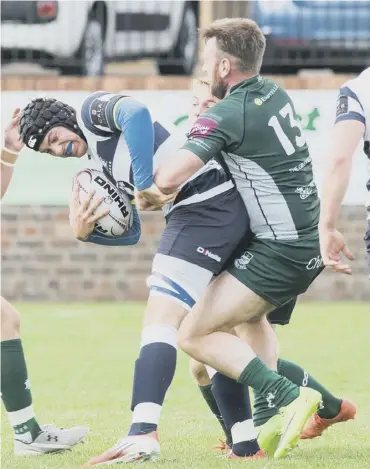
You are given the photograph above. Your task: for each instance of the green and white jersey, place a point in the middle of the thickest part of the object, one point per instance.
(256, 129)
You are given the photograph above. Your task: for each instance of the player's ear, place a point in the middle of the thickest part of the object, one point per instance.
(225, 67)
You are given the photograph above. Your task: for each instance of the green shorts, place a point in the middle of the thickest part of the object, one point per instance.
(278, 270)
(281, 316)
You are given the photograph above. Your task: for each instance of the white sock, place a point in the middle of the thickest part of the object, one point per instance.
(243, 431)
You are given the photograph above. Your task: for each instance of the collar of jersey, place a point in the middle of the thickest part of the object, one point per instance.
(249, 82)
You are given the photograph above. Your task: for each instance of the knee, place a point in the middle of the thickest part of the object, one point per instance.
(10, 321)
(199, 373)
(164, 310)
(187, 342)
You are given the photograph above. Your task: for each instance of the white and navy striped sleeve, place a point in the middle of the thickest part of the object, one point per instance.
(349, 106)
(119, 117)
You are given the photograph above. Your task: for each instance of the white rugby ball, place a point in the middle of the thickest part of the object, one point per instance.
(119, 218)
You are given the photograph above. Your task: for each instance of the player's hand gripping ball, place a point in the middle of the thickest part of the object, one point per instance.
(98, 205)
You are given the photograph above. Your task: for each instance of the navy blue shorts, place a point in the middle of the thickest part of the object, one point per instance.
(206, 233)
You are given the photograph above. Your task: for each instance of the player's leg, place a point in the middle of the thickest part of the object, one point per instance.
(260, 334)
(333, 409)
(201, 377)
(263, 340)
(194, 246)
(201, 336)
(213, 232)
(156, 364)
(15, 385)
(234, 403)
(367, 236)
(202, 333)
(30, 437)
(169, 301)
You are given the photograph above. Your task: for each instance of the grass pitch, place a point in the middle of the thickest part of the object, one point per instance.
(80, 360)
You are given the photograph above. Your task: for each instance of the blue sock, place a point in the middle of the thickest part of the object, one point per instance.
(154, 371)
(235, 408)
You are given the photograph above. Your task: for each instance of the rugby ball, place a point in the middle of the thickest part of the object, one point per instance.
(119, 218)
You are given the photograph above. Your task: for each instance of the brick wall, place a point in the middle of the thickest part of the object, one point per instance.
(42, 261)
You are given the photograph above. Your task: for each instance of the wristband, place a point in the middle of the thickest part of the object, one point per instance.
(6, 163)
(12, 152)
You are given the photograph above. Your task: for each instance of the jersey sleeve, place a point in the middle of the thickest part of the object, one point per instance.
(97, 113)
(106, 114)
(128, 239)
(218, 129)
(349, 106)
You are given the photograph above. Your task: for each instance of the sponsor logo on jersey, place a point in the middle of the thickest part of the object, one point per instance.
(203, 127)
(32, 141)
(342, 105)
(300, 166)
(262, 99)
(209, 254)
(306, 191)
(243, 261)
(315, 263)
(98, 116)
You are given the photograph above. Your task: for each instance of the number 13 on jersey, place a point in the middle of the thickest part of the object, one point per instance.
(286, 143)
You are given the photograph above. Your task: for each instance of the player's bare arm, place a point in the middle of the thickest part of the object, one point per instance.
(171, 175)
(345, 139)
(154, 198)
(9, 154)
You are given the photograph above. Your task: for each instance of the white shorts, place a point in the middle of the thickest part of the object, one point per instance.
(180, 280)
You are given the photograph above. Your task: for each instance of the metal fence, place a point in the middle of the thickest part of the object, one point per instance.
(80, 37)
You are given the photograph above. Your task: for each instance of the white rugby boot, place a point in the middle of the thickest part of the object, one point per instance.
(130, 449)
(51, 440)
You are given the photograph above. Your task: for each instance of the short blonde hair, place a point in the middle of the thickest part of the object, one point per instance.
(240, 38)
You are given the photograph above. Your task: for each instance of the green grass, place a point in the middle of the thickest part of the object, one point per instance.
(81, 356)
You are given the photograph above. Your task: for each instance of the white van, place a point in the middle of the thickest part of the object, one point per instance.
(80, 36)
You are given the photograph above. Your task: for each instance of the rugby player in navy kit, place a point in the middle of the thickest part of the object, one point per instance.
(205, 222)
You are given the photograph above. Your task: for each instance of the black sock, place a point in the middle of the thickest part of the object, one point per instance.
(237, 414)
(212, 404)
(154, 371)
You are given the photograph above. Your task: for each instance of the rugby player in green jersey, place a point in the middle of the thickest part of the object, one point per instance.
(256, 130)
(334, 410)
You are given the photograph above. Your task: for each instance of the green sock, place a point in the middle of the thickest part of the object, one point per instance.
(212, 404)
(15, 391)
(263, 410)
(296, 374)
(276, 389)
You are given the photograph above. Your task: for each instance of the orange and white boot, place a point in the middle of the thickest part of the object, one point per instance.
(316, 425)
(223, 446)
